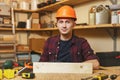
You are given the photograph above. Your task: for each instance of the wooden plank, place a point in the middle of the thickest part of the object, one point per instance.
(9, 55)
(7, 51)
(49, 67)
(103, 26)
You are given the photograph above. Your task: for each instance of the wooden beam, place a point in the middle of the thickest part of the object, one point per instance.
(54, 67)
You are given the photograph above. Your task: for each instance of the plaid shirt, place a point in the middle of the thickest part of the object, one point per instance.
(80, 50)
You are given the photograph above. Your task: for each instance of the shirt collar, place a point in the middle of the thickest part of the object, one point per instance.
(58, 39)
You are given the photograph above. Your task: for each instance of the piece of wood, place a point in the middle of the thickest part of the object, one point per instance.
(54, 67)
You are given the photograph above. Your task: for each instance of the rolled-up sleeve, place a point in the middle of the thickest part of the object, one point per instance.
(87, 51)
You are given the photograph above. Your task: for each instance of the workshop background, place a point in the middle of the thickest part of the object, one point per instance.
(100, 39)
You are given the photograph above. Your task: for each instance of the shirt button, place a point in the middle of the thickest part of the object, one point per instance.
(49, 52)
(58, 47)
(56, 55)
(88, 52)
(78, 53)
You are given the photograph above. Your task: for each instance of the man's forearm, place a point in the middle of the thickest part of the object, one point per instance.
(95, 62)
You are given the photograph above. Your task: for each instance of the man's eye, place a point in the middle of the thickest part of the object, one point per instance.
(60, 21)
(67, 22)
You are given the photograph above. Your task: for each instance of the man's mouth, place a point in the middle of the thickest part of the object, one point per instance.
(64, 30)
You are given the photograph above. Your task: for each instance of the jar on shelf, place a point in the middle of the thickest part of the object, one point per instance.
(1, 20)
(24, 5)
(102, 15)
(34, 4)
(14, 4)
(119, 16)
(92, 15)
(114, 17)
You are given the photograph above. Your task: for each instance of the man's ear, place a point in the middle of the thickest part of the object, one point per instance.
(56, 24)
(74, 24)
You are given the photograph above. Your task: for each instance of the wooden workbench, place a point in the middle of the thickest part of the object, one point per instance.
(46, 76)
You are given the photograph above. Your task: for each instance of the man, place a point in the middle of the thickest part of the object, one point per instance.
(66, 47)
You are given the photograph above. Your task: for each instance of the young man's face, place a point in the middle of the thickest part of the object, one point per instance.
(65, 26)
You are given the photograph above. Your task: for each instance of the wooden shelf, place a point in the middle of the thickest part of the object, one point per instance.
(5, 29)
(7, 42)
(24, 58)
(76, 27)
(55, 6)
(5, 25)
(7, 51)
(23, 52)
(50, 7)
(98, 26)
(4, 15)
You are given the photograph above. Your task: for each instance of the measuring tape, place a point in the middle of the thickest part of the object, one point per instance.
(28, 75)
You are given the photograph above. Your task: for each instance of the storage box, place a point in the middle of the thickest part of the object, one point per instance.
(35, 15)
(35, 21)
(4, 9)
(35, 26)
(109, 58)
(37, 44)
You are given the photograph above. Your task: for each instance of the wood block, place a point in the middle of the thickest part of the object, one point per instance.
(37, 44)
(49, 67)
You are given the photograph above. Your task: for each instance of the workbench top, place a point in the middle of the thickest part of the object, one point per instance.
(70, 76)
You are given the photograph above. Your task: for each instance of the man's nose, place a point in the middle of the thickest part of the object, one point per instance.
(64, 24)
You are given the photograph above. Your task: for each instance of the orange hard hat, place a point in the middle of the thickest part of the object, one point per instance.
(66, 12)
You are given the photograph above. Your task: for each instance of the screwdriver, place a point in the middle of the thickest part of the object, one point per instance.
(114, 76)
(27, 65)
(101, 76)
